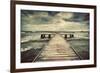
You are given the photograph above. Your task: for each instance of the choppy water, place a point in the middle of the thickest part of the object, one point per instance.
(33, 41)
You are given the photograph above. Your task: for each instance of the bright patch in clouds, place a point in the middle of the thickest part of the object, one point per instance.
(53, 21)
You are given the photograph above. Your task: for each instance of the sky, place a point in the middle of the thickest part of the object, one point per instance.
(32, 20)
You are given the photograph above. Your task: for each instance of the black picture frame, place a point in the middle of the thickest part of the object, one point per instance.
(13, 35)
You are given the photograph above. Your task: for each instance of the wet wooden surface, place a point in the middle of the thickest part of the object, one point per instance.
(57, 49)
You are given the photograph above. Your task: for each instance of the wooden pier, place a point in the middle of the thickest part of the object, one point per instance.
(57, 49)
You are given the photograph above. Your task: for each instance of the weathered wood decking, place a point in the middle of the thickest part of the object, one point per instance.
(57, 49)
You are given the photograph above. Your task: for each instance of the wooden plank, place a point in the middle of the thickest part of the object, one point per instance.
(57, 49)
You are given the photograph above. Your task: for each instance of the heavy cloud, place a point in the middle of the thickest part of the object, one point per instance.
(53, 21)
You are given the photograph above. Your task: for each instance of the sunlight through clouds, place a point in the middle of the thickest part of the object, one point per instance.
(53, 21)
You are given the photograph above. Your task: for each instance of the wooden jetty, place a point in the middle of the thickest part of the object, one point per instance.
(57, 49)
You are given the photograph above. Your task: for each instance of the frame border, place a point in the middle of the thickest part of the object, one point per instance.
(13, 32)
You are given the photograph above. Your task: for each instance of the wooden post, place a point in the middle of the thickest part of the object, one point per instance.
(71, 35)
(65, 36)
(49, 36)
(42, 36)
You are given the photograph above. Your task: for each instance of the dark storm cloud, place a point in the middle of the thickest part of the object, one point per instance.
(79, 17)
(46, 17)
(34, 17)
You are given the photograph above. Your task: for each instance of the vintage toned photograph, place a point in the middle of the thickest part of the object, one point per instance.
(54, 36)
(51, 36)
